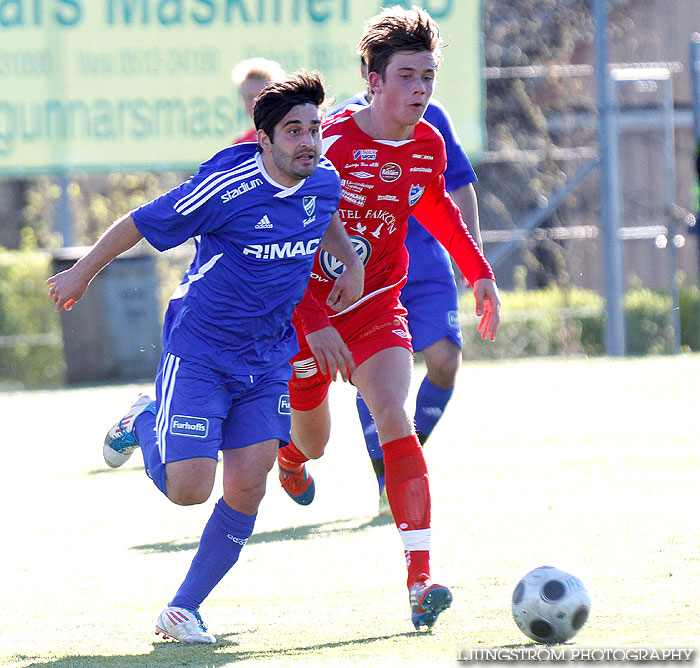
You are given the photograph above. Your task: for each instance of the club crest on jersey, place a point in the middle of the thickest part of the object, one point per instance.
(390, 172)
(309, 202)
(414, 194)
(364, 154)
(333, 268)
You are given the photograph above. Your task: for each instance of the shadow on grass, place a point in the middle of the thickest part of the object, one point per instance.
(174, 654)
(304, 532)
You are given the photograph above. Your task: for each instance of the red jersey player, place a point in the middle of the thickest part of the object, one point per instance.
(390, 163)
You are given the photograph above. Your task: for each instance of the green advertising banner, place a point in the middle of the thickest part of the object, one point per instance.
(145, 84)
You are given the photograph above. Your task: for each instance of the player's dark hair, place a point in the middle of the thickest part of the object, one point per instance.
(398, 29)
(277, 98)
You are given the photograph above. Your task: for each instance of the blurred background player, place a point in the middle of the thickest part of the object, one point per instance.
(391, 164)
(430, 294)
(250, 77)
(227, 336)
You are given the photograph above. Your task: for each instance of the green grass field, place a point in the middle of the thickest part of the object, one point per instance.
(589, 465)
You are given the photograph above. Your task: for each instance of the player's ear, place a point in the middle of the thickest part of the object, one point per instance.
(264, 140)
(375, 81)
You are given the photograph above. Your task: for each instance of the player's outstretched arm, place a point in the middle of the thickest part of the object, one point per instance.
(349, 286)
(67, 287)
(488, 307)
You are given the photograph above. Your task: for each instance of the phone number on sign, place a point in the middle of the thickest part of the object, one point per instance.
(155, 60)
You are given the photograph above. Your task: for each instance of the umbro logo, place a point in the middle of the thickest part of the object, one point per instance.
(264, 223)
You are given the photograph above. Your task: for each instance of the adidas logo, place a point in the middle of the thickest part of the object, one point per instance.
(264, 223)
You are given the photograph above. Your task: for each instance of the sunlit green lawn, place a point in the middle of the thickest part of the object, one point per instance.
(589, 465)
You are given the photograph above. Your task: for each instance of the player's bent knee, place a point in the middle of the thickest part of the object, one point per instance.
(190, 482)
(188, 497)
(392, 419)
(316, 451)
(443, 371)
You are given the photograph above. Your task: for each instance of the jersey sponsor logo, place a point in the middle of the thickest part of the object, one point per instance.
(281, 251)
(414, 194)
(390, 172)
(359, 228)
(349, 214)
(453, 319)
(376, 232)
(283, 406)
(187, 425)
(388, 198)
(305, 368)
(264, 223)
(362, 175)
(353, 198)
(243, 188)
(422, 156)
(422, 169)
(364, 154)
(383, 215)
(356, 187)
(333, 267)
(377, 328)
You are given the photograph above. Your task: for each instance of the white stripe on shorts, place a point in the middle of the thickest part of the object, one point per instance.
(171, 366)
(418, 539)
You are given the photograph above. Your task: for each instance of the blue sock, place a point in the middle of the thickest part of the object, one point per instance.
(223, 538)
(430, 405)
(145, 430)
(374, 447)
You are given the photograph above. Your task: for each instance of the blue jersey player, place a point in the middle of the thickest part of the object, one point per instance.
(430, 295)
(258, 212)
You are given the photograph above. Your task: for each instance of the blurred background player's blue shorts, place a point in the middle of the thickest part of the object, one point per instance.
(433, 311)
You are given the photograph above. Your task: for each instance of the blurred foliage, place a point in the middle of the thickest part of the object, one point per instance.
(25, 311)
(548, 321)
(96, 201)
(31, 350)
(570, 321)
(543, 33)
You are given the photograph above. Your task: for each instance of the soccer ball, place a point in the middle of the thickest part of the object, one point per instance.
(549, 605)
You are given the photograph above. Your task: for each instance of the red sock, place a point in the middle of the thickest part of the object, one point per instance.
(290, 458)
(409, 497)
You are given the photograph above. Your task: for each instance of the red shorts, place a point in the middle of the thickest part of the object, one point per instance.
(372, 327)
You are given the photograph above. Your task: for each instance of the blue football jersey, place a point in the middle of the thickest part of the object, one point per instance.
(428, 257)
(255, 244)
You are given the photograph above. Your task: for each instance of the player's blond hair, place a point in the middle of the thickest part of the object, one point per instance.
(261, 69)
(398, 29)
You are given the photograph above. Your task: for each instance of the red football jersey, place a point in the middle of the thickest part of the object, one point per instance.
(384, 182)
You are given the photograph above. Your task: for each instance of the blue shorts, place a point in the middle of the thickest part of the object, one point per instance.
(433, 311)
(200, 411)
